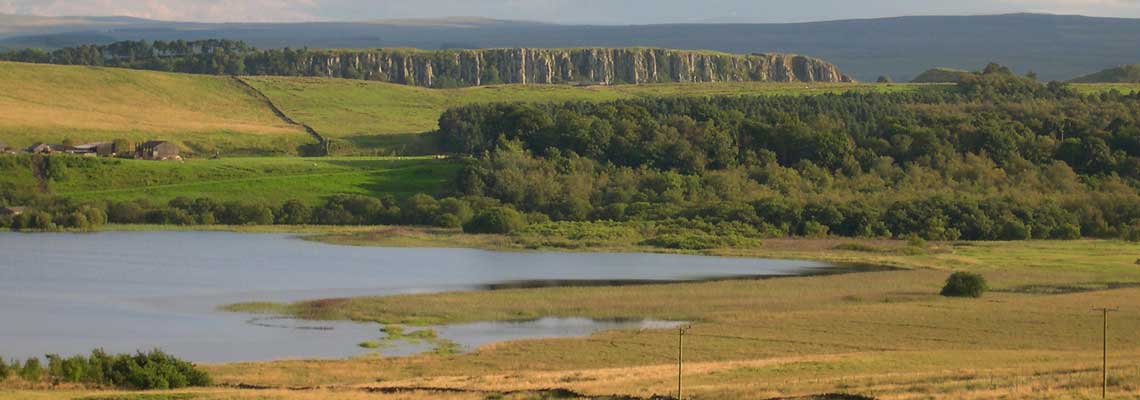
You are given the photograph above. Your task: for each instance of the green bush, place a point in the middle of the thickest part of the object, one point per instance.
(501, 220)
(685, 241)
(32, 370)
(141, 371)
(965, 284)
(448, 221)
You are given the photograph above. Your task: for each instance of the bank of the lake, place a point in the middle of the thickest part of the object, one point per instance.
(133, 290)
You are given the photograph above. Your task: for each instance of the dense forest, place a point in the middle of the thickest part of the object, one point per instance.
(999, 157)
(444, 68)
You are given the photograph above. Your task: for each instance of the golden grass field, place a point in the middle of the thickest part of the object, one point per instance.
(206, 113)
(883, 334)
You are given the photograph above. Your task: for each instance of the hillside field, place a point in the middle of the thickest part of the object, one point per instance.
(207, 114)
(270, 180)
(203, 114)
(377, 115)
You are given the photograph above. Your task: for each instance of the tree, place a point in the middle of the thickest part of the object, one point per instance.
(500, 220)
(965, 284)
(32, 371)
(884, 79)
(294, 212)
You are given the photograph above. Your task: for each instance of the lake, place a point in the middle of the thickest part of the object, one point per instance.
(124, 291)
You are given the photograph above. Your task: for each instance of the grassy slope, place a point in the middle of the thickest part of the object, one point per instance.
(203, 113)
(372, 113)
(885, 333)
(1121, 74)
(270, 179)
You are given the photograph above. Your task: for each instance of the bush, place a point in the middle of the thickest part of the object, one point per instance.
(501, 220)
(32, 370)
(141, 371)
(814, 229)
(965, 284)
(448, 221)
(686, 241)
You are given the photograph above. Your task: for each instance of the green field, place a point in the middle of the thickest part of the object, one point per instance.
(1094, 88)
(203, 114)
(266, 179)
(390, 116)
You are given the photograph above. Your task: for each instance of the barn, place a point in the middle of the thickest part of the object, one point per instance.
(157, 150)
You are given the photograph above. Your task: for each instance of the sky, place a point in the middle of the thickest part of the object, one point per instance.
(557, 11)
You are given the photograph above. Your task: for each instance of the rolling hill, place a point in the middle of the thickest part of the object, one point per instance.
(941, 75)
(1121, 74)
(203, 114)
(1057, 47)
(364, 116)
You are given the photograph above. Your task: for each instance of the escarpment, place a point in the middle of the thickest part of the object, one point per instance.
(602, 66)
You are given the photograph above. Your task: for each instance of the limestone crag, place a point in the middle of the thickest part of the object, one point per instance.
(603, 66)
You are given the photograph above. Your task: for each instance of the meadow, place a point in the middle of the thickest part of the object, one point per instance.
(207, 114)
(390, 117)
(269, 180)
(885, 334)
(203, 114)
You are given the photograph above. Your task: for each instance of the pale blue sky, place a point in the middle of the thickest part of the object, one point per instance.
(560, 11)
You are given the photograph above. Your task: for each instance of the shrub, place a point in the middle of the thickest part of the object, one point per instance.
(501, 220)
(448, 221)
(965, 284)
(814, 229)
(859, 247)
(32, 370)
(685, 241)
(141, 371)
(5, 371)
(914, 240)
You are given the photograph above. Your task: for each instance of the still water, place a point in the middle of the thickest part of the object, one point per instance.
(125, 291)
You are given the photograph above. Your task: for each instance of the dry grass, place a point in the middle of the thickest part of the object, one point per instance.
(886, 334)
(50, 103)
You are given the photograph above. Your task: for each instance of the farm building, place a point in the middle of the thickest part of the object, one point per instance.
(157, 150)
(42, 148)
(101, 149)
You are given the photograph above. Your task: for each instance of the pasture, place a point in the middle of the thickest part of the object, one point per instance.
(202, 114)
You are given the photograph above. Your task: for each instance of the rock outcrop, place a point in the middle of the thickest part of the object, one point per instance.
(602, 66)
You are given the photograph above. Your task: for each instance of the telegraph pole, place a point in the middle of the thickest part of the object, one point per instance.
(1104, 371)
(681, 330)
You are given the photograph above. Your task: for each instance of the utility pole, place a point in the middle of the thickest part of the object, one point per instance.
(1104, 371)
(681, 331)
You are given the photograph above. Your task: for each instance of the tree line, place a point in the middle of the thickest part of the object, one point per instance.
(996, 157)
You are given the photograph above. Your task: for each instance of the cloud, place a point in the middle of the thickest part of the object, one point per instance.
(182, 10)
(572, 11)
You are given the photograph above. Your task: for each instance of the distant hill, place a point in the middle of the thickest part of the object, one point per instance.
(941, 75)
(1057, 47)
(1121, 74)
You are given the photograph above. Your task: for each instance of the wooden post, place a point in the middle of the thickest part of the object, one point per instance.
(1104, 355)
(680, 359)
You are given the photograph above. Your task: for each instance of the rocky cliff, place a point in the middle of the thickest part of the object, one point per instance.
(604, 66)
